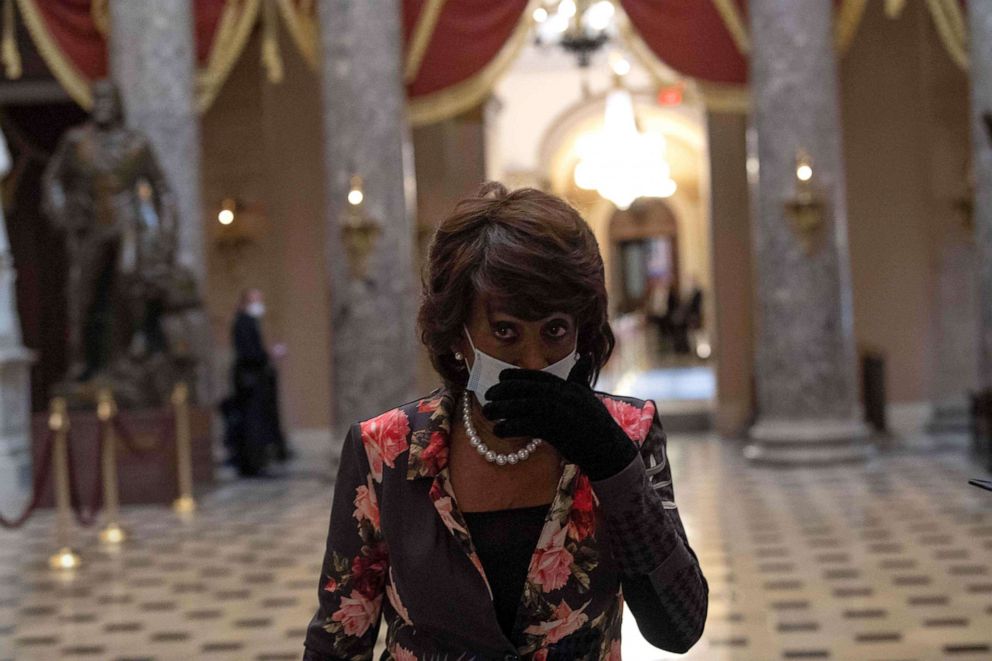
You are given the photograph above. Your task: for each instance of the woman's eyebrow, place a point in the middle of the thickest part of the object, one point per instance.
(551, 317)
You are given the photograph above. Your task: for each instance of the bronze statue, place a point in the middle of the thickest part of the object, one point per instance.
(104, 188)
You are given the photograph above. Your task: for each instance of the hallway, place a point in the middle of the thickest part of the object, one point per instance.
(888, 560)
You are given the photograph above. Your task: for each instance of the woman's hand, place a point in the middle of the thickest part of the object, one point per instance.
(564, 413)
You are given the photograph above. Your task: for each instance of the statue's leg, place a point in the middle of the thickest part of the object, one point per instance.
(97, 326)
(77, 301)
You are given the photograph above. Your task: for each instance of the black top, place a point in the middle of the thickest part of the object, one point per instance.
(247, 340)
(412, 566)
(505, 541)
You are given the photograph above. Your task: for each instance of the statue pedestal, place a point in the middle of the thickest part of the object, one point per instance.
(148, 476)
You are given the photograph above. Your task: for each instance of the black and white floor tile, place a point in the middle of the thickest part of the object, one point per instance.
(888, 561)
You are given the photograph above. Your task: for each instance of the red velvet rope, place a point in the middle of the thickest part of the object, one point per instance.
(41, 478)
(85, 514)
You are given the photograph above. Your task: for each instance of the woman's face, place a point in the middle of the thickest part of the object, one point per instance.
(526, 344)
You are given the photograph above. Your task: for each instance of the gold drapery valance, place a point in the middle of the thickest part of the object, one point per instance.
(235, 23)
(846, 23)
(441, 36)
(453, 100)
(848, 17)
(64, 69)
(949, 20)
(734, 21)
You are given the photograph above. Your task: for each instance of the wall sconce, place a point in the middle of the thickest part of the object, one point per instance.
(228, 211)
(231, 233)
(359, 231)
(805, 207)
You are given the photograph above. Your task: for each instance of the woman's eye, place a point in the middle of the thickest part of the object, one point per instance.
(557, 330)
(503, 331)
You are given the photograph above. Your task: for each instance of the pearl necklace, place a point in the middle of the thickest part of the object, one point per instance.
(492, 456)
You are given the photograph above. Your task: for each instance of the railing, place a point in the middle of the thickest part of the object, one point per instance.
(55, 458)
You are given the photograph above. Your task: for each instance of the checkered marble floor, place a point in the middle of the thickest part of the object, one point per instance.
(890, 561)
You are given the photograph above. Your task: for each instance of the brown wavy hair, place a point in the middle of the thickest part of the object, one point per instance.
(528, 252)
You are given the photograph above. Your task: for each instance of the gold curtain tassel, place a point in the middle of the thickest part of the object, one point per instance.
(423, 32)
(735, 24)
(893, 8)
(9, 52)
(271, 58)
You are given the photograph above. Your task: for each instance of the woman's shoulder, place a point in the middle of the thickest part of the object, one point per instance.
(415, 408)
(400, 435)
(635, 416)
(630, 401)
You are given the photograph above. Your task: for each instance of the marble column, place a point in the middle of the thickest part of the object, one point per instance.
(15, 384)
(152, 58)
(373, 342)
(980, 40)
(955, 342)
(805, 368)
(732, 271)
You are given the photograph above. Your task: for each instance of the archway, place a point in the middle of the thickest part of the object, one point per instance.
(643, 241)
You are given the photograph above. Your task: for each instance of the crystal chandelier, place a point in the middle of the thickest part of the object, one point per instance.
(580, 27)
(620, 162)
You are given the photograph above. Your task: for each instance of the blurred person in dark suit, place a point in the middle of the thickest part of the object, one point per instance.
(254, 431)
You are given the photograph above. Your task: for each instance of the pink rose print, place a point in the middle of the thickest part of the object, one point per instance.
(366, 507)
(357, 613)
(627, 416)
(552, 562)
(582, 518)
(394, 599)
(368, 570)
(402, 654)
(444, 505)
(566, 622)
(541, 654)
(331, 585)
(384, 439)
(428, 405)
(435, 455)
(647, 418)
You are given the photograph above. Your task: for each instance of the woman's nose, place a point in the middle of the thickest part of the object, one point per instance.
(533, 358)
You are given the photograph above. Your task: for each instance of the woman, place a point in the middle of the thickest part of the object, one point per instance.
(501, 516)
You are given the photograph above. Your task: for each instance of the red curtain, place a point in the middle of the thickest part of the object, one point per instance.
(74, 32)
(467, 36)
(690, 36)
(73, 29)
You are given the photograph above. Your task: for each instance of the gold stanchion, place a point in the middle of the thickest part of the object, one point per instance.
(106, 410)
(184, 467)
(58, 422)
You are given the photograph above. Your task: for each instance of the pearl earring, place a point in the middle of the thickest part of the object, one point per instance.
(459, 357)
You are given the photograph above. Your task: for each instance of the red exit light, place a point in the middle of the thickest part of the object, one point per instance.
(670, 96)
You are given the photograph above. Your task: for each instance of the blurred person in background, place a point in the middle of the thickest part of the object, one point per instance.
(254, 432)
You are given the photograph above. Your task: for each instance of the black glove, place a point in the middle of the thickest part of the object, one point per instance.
(564, 413)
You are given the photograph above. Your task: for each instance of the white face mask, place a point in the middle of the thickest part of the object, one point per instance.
(256, 309)
(485, 370)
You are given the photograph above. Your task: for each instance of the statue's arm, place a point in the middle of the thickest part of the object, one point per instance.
(165, 203)
(53, 190)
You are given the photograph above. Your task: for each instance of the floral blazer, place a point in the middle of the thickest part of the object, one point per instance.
(399, 549)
